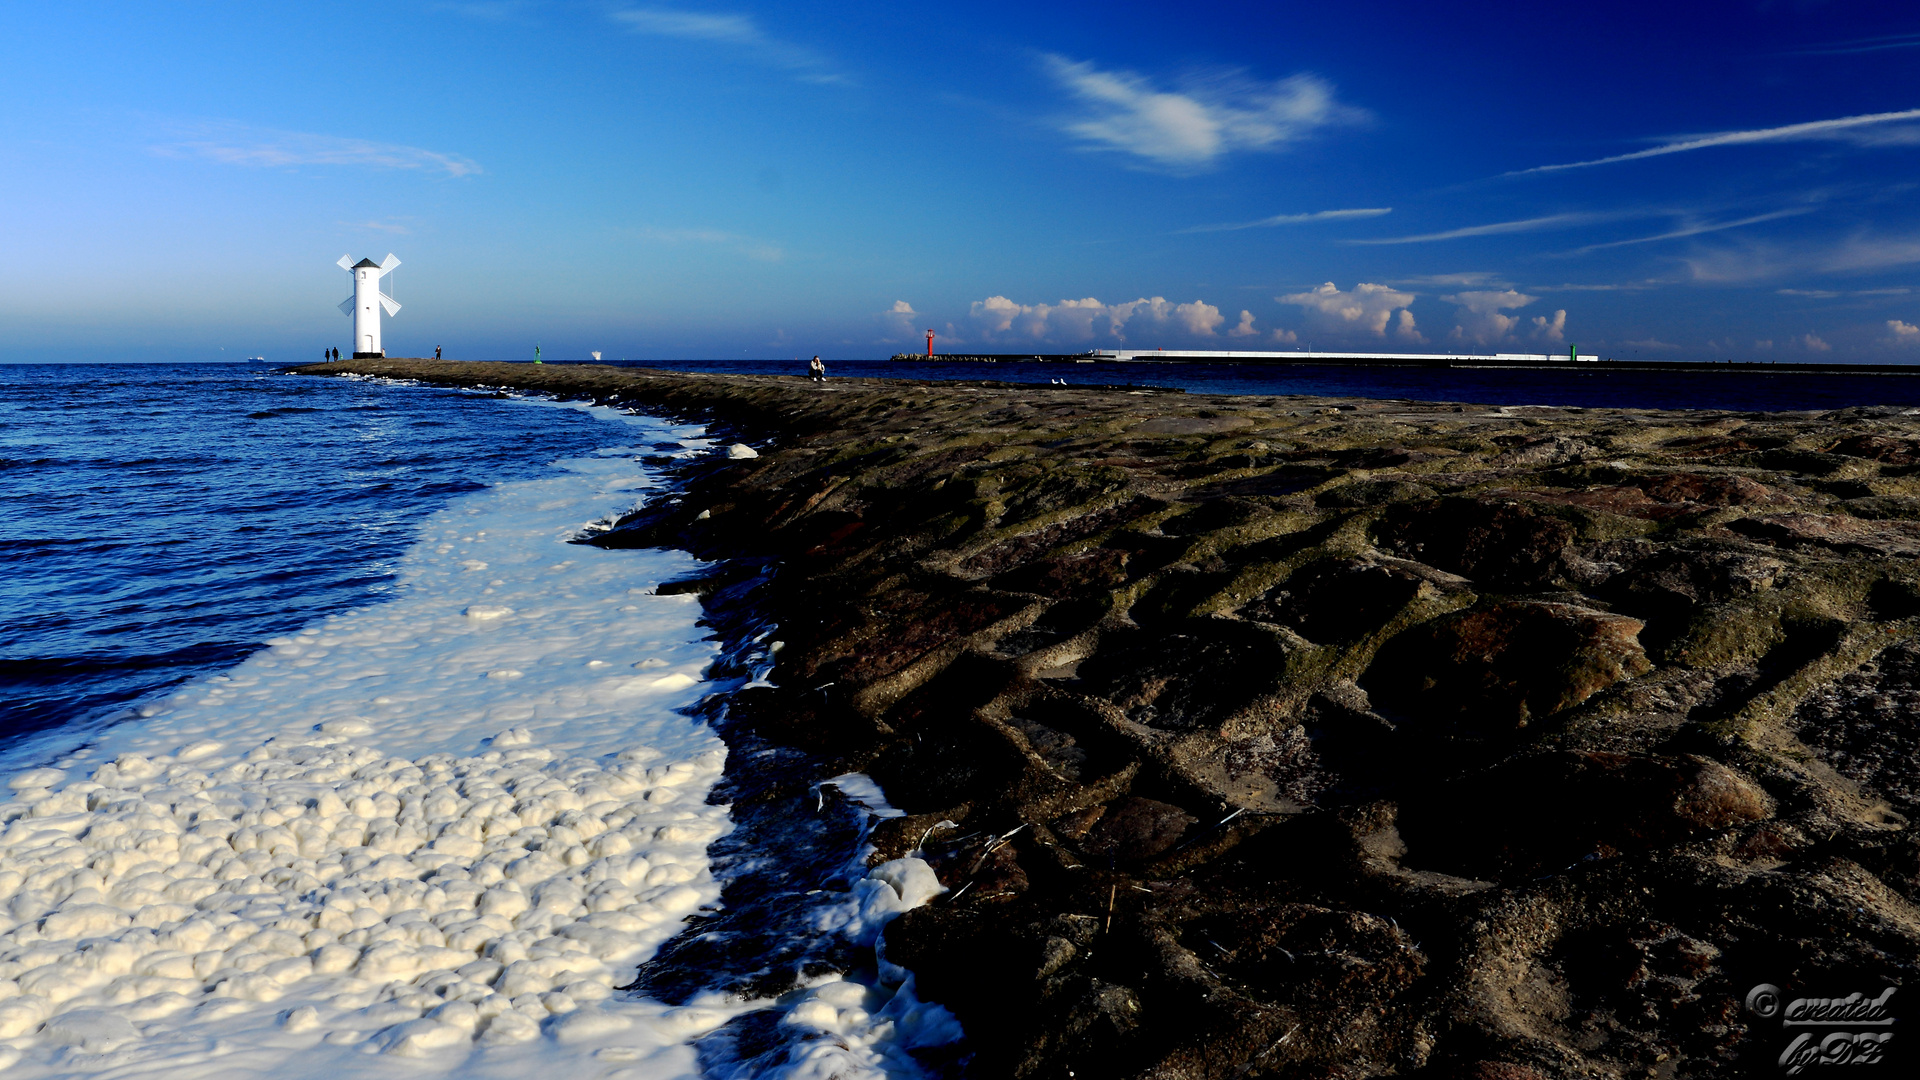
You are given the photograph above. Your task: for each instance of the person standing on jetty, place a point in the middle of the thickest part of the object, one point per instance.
(816, 371)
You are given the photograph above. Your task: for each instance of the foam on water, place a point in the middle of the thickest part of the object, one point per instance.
(424, 836)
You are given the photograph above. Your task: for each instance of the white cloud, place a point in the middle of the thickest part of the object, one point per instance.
(1199, 319)
(242, 144)
(1213, 117)
(738, 30)
(1904, 333)
(1406, 331)
(1245, 327)
(1291, 219)
(1812, 343)
(1554, 330)
(1816, 129)
(1084, 320)
(900, 320)
(1367, 308)
(1480, 317)
(1285, 337)
(1656, 345)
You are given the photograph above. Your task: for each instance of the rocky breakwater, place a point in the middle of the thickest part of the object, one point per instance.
(1310, 737)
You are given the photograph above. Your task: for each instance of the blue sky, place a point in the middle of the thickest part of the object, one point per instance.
(1685, 181)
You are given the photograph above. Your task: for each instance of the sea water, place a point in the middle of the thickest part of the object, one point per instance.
(329, 752)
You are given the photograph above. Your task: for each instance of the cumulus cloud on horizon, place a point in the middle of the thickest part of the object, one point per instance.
(1208, 118)
(900, 320)
(1072, 321)
(1367, 309)
(1480, 318)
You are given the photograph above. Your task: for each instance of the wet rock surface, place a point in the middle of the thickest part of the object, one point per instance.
(1336, 738)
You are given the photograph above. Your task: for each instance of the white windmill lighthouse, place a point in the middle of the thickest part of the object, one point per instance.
(365, 303)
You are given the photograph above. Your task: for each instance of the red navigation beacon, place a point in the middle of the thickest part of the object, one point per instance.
(929, 344)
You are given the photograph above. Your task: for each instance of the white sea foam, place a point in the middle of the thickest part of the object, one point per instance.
(426, 836)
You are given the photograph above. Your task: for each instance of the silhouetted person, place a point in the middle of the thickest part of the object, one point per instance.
(436, 352)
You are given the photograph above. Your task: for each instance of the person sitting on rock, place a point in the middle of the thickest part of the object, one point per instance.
(816, 370)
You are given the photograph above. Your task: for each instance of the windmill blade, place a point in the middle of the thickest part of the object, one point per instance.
(346, 262)
(392, 306)
(346, 306)
(387, 264)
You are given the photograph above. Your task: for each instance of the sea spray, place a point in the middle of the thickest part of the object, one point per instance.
(438, 828)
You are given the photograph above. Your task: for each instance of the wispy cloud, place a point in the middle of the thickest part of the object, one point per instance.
(1861, 45)
(1498, 228)
(734, 29)
(751, 247)
(1207, 119)
(380, 226)
(1815, 129)
(1872, 253)
(488, 10)
(1290, 219)
(1625, 286)
(1698, 228)
(1750, 259)
(234, 143)
(1465, 280)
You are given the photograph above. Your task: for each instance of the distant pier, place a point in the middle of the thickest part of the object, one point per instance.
(1506, 361)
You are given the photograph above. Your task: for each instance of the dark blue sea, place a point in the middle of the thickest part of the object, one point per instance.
(159, 522)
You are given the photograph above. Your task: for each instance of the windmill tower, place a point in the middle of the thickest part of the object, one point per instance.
(365, 303)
